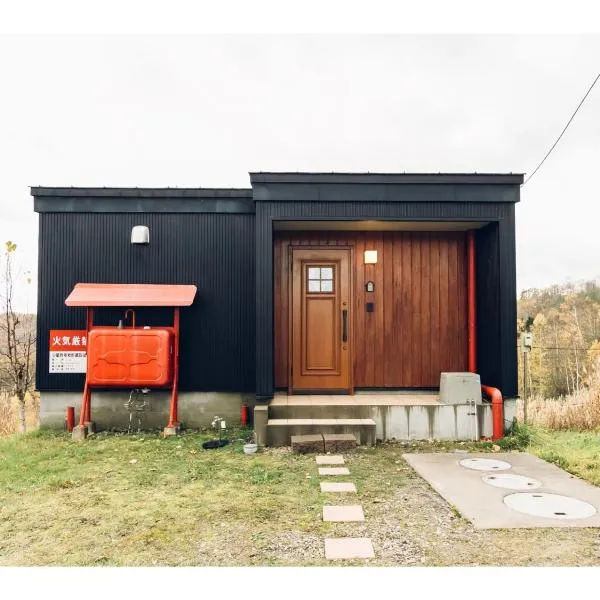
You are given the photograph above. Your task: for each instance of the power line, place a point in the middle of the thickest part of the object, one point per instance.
(563, 131)
(557, 348)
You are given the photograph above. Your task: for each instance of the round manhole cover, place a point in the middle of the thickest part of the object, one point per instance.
(512, 482)
(485, 464)
(552, 506)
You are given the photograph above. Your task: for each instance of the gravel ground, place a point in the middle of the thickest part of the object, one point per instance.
(410, 524)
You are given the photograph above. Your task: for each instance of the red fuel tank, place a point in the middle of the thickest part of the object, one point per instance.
(130, 357)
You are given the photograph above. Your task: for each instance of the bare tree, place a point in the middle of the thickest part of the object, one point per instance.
(17, 339)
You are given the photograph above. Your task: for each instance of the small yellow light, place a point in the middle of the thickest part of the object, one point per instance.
(370, 257)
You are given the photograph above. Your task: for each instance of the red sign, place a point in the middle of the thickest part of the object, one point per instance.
(68, 340)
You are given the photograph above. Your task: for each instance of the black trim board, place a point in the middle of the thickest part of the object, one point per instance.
(388, 178)
(139, 200)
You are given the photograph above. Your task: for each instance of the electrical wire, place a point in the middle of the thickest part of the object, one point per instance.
(557, 348)
(563, 131)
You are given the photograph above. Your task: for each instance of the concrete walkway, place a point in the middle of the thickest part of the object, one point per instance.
(509, 490)
(342, 548)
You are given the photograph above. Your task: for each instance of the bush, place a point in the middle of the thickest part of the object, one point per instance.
(520, 438)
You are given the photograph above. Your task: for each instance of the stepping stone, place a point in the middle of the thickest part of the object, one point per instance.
(329, 486)
(303, 444)
(336, 459)
(345, 548)
(339, 442)
(343, 513)
(334, 471)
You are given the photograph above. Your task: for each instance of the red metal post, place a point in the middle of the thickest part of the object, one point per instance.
(70, 418)
(471, 303)
(173, 417)
(88, 404)
(244, 415)
(85, 414)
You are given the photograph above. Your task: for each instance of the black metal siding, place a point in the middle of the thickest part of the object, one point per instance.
(487, 273)
(212, 251)
(497, 300)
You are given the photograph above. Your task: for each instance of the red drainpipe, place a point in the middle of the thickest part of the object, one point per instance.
(471, 299)
(493, 393)
(497, 411)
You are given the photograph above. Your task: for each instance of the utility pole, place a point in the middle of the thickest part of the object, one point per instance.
(526, 341)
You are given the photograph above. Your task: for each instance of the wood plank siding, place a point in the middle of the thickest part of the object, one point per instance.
(419, 324)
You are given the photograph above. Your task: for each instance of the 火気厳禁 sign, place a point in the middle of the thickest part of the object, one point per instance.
(68, 351)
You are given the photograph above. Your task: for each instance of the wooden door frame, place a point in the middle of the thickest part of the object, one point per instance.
(351, 305)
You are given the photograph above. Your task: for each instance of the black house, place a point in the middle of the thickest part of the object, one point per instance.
(329, 290)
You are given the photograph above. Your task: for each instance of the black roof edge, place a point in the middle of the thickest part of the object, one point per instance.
(104, 192)
(389, 178)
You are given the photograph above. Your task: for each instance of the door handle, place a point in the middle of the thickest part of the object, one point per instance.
(344, 326)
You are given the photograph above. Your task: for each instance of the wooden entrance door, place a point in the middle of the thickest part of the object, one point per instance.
(321, 320)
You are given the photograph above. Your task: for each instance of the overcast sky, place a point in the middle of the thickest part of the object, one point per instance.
(203, 111)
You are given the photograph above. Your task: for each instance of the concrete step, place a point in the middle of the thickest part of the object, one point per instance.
(316, 410)
(279, 431)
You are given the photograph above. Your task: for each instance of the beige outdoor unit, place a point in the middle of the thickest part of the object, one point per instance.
(460, 388)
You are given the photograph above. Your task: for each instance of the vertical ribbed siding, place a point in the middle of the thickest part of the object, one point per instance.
(508, 304)
(265, 372)
(211, 251)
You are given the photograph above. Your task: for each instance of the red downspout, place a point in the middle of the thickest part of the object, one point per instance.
(497, 411)
(173, 422)
(493, 393)
(472, 315)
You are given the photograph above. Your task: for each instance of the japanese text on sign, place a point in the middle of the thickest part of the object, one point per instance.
(68, 351)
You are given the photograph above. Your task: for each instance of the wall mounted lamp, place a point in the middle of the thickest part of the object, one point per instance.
(140, 234)
(370, 257)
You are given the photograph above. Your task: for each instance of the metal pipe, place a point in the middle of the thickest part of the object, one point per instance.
(70, 418)
(130, 310)
(494, 393)
(173, 416)
(244, 415)
(471, 303)
(497, 411)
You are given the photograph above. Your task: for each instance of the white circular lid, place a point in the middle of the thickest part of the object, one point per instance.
(511, 481)
(552, 506)
(485, 464)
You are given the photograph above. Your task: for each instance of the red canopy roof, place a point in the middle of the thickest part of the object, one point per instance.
(130, 294)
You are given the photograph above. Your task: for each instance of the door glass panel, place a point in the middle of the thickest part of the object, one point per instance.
(320, 280)
(314, 286)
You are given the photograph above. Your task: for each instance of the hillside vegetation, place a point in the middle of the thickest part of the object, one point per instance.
(563, 372)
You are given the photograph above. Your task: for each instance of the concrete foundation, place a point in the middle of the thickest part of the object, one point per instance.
(196, 409)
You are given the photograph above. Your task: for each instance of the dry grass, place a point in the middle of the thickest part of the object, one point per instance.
(9, 413)
(580, 411)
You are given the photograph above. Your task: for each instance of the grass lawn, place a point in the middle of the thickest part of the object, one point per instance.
(146, 500)
(575, 451)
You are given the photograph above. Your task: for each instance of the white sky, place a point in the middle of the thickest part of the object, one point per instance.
(204, 110)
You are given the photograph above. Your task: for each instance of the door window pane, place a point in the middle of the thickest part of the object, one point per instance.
(320, 280)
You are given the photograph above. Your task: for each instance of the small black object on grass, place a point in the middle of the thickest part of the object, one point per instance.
(214, 444)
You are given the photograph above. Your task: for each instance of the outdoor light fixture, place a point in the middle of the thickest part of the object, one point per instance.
(370, 257)
(140, 234)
